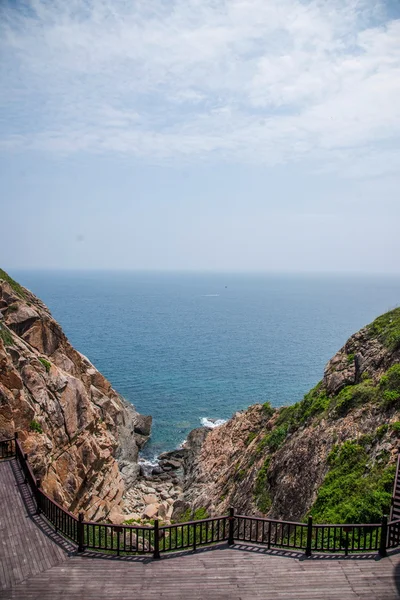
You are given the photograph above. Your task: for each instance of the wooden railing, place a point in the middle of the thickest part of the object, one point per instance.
(155, 539)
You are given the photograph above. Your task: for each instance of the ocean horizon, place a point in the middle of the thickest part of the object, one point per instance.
(194, 348)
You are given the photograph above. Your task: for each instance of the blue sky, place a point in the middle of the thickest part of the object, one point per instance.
(200, 134)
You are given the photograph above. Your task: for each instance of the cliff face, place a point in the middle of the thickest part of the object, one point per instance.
(82, 438)
(332, 454)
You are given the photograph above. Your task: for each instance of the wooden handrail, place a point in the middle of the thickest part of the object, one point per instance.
(258, 530)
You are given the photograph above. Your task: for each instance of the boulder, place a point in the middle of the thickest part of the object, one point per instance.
(150, 511)
(170, 463)
(116, 517)
(142, 425)
(178, 454)
(162, 511)
(150, 499)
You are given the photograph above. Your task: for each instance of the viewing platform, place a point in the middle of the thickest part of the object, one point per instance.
(37, 562)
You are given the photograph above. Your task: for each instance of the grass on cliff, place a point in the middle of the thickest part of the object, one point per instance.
(314, 403)
(18, 289)
(45, 363)
(35, 426)
(261, 494)
(386, 329)
(354, 490)
(6, 336)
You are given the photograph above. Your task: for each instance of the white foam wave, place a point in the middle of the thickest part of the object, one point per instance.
(212, 423)
(148, 462)
(182, 444)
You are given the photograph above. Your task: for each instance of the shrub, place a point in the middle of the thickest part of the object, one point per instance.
(354, 395)
(390, 387)
(386, 329)
(273, 440)
(391, 379)
(350, 357)
(381, 431)
(366, 440)
(35, 426)
(395, 427)
(276, 438)
(314, 403)
(354, 491)
(45, 363)
(197, 515)
(261, 495)
(268, 411)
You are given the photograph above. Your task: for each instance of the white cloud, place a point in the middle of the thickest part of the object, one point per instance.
(241, 80)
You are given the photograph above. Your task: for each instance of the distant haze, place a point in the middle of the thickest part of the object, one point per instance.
(229, 135)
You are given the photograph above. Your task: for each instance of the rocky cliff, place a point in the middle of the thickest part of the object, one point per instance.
(332, 454)
(82, 438)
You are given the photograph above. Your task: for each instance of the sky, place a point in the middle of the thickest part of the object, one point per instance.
(234, 135)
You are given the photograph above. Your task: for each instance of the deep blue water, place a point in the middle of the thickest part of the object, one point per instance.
(182, 347)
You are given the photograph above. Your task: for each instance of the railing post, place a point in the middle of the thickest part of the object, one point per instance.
(194, 537)
(384, 532)
(26, 460)
(309, 536)
(80, 533)
(156, 551)
(37, 494)
(231, 523)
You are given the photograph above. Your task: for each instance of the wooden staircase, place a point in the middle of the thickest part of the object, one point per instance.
(395, 511)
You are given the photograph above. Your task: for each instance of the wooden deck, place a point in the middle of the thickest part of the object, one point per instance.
(36, 563)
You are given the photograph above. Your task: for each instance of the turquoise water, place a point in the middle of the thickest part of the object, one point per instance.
(184, 347)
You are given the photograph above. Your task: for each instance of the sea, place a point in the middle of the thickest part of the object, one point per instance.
(191, 349)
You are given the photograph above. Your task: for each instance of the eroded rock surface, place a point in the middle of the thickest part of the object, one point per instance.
(82, 438)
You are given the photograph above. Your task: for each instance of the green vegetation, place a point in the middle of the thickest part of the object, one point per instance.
(13, 308)
(45, 363)
(35, 426)
(314, 403)
(240, 474)
(198, 515)
(6, 336)
(350, 357)
(19, 290)
(276, 438)
(366, 440)
(381, 431)
(390, 387)
(268, 411)
(354, 395)
(261, 494)
(354, 490)
(386, 329)
(250, 438)
(395, 426)
(273, 440)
